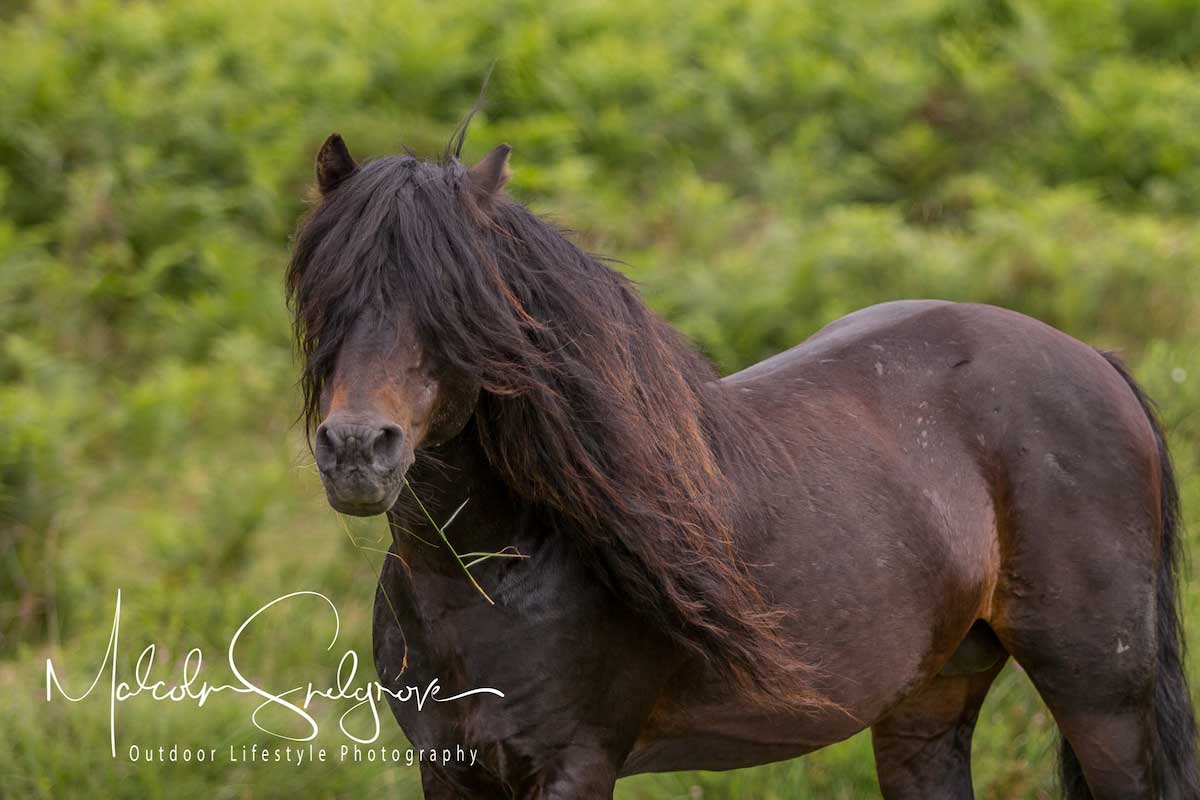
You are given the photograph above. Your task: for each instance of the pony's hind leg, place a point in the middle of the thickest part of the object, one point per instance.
(923, 746)
(1075, 606)
(1087, 527)
(1097, 678)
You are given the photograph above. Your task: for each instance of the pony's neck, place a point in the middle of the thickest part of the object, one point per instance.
(597, 414)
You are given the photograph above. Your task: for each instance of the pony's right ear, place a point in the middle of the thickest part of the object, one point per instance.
(334, 163)
(488, 177)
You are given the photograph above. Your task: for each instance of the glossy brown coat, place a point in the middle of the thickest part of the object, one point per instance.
(855, 533)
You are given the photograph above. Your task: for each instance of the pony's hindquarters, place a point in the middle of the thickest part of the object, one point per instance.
(1086, 597)
(1175, 758)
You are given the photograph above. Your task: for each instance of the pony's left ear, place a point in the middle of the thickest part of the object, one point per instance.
(488, 177)
(334, 163)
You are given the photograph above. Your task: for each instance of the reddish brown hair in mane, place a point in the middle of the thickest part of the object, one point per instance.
(592, 406)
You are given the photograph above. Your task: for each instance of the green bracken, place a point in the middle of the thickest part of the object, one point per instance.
(759, 167)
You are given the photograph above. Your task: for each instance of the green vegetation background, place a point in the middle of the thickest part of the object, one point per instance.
(760, 167)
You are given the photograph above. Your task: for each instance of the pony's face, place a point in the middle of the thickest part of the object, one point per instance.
(387, 397)
(373, 388)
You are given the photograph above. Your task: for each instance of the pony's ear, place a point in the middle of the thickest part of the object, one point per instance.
(489, 175)
(334, 163)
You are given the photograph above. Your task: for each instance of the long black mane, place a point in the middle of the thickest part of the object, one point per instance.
(591, 405)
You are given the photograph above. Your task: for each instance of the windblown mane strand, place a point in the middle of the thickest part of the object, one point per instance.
(592, 406)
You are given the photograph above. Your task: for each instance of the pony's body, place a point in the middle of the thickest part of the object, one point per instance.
(871, 512)
(720, 573)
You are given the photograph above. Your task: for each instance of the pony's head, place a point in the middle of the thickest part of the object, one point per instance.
(366, 282)
(424, 298)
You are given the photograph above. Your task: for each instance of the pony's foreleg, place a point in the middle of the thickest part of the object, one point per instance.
(578, 773)
(434, 786)
(923, 746)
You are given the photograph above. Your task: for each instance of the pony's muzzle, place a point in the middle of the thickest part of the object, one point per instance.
(362, 461)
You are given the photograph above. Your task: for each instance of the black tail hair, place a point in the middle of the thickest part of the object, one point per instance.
(1175, 765)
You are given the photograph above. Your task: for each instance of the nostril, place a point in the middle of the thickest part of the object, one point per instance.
(326, 448)
(388, 447)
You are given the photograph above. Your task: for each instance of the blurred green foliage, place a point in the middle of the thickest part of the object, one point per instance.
(760, 167)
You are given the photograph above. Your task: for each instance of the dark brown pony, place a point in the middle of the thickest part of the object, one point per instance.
(725, 572)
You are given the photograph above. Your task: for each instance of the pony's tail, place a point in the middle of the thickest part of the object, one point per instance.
(1175, 764)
